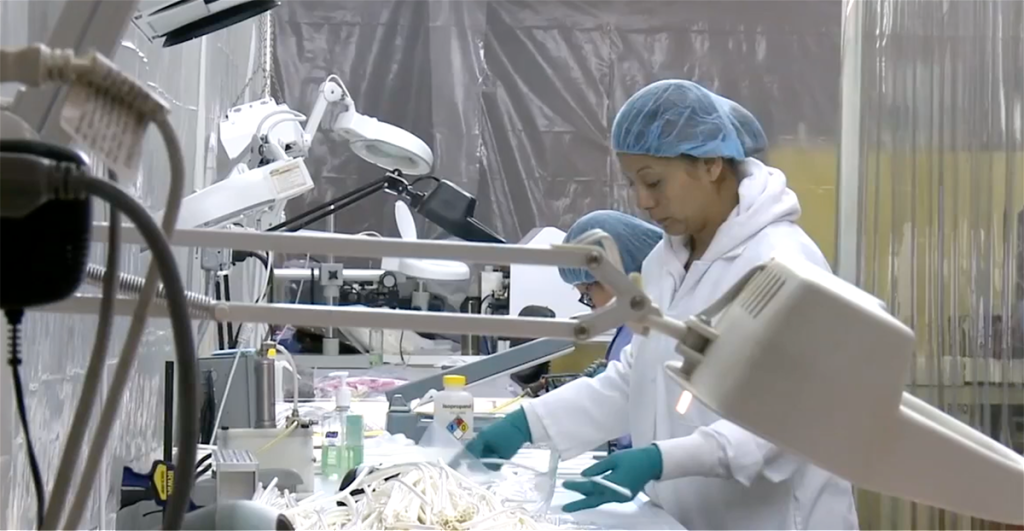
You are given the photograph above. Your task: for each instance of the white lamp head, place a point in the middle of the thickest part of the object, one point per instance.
(818, 367)
(383, 144)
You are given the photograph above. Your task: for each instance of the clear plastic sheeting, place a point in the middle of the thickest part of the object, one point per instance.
(941, 218)
(199, 80)
(517, 99)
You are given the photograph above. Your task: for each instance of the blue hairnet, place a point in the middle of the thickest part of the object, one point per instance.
(674, 117)
(634, 237)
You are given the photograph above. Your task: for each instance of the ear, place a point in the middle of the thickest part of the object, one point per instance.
(713, 168)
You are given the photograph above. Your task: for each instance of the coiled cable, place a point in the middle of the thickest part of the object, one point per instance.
(199, 306)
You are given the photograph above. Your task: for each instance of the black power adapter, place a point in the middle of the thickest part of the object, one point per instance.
(44, 248)
(44, 243)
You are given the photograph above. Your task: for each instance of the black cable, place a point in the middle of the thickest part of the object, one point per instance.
(221, 342)
(312, 290)
(204, 470)
(207, 411)
(350, 200)
(424, 178)
(401, 339)
(168, 410)
(263, 259)
(238, 257)
(14, 317)
(203, 460)
(225, 280)
(486, 340)
(266, 293)
(329, 207)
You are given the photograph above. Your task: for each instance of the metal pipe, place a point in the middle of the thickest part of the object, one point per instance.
(266, 399)
(850, 190)
(198, 305)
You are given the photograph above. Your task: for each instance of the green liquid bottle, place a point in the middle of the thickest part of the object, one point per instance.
(334, 458)
(353, 440)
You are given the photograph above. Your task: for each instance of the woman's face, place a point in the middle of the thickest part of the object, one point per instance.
(677, 193)
(594, 294)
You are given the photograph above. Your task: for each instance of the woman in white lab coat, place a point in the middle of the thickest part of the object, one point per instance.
(688, 155)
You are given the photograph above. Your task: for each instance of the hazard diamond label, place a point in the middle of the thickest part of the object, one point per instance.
(458, 428)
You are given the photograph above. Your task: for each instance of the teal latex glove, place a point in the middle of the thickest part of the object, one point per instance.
(631, 469)
(501, 440)
(595, 368)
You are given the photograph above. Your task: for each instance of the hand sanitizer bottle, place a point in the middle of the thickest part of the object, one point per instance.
(333, 459)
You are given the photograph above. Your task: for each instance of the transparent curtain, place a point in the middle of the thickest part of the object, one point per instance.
(936, 160)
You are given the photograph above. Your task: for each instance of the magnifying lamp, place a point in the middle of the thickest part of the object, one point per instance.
(383, 144)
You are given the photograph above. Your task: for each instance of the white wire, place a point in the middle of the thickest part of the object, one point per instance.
(224, 396)
(608, 484)
(129, 352)
(427, 495)
(302, 282)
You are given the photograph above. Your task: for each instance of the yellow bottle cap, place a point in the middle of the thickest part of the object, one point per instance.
(455, 380)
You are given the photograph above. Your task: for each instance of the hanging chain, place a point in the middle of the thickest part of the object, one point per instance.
(264, 66)
(272, 56)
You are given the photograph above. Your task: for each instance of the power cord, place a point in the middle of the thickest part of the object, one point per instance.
(238, 257)
(424, 178)
(49, 178)
(99, 78)
(14, 317)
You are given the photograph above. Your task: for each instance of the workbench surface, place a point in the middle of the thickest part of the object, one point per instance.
(641, 513)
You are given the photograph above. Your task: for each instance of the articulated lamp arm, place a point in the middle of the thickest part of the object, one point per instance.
(631, 305)
(331, 91)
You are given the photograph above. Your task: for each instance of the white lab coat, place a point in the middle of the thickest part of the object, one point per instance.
(716, 475)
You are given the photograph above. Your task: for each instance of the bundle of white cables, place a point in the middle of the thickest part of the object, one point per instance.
(413, 496)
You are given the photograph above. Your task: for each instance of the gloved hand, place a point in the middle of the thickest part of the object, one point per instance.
(631, 469)
(595, 368)
(501, 440)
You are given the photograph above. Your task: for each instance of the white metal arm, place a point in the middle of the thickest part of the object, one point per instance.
(631, 305)
(330, 91)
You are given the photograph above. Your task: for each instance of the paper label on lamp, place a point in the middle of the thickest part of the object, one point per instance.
(288, 178)
(101, 125)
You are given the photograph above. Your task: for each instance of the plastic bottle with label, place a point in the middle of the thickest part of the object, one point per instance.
(342, 447)
(453, 408)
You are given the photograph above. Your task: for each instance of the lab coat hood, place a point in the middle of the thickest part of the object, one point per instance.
(765, 198)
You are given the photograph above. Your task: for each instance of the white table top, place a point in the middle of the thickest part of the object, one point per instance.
(637, 514)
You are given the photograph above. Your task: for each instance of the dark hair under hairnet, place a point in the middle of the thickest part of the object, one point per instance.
(676, 117)
(634, 237)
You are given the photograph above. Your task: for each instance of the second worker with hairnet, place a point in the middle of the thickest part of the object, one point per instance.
(689, 156)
